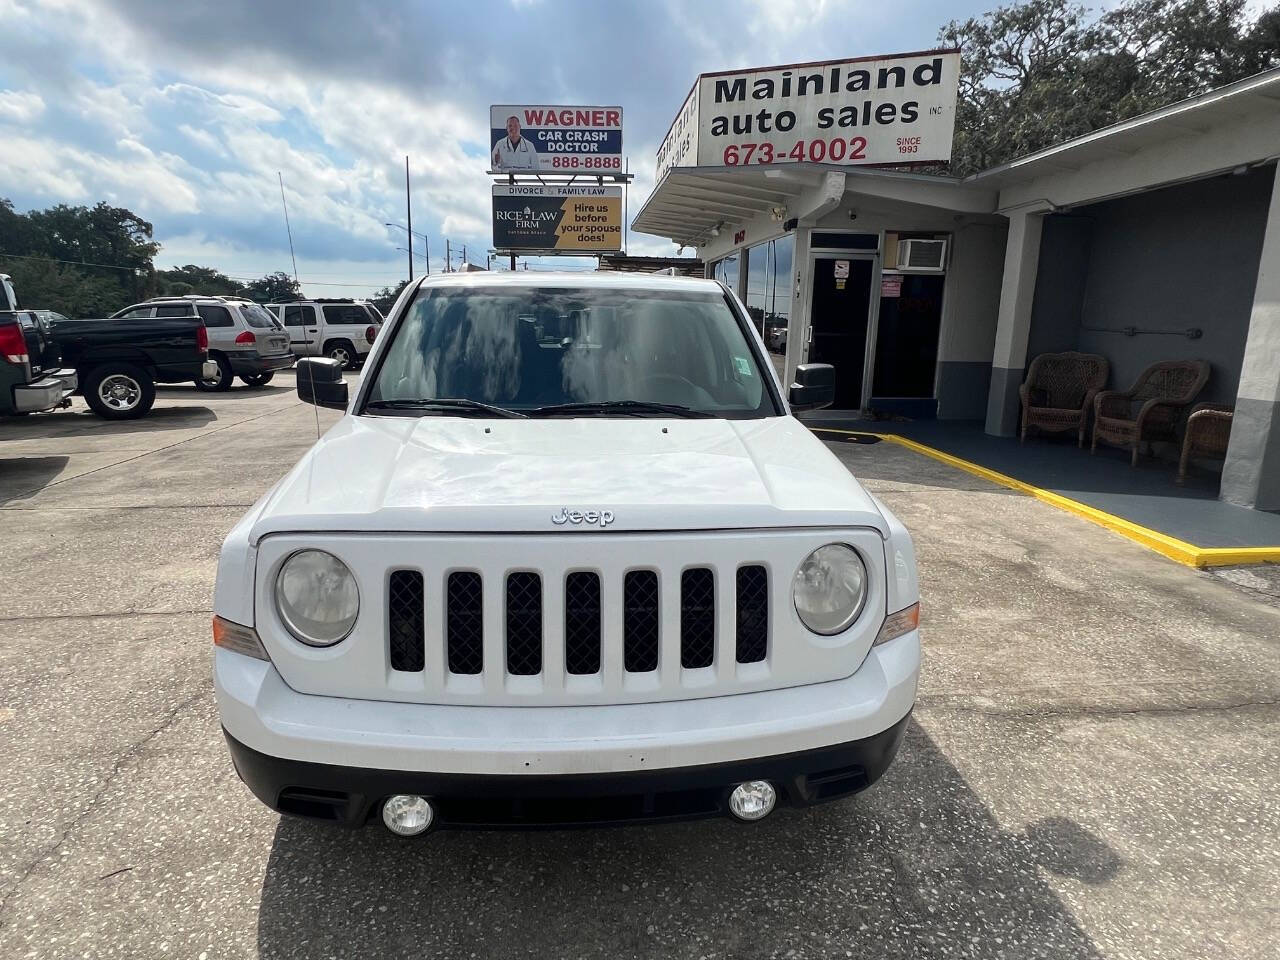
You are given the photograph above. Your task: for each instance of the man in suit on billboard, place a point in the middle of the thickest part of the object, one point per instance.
(514, 152)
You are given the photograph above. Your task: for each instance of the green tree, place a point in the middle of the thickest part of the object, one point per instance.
(180, 281)
(273, 288)
(1034, 74)
(113, 245)
(387, 296)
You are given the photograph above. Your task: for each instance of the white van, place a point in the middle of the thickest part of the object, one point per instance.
(343, 330)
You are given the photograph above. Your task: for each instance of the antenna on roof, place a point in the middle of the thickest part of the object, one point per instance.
(289, 230)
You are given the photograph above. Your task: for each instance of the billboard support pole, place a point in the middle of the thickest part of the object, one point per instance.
(511, 179)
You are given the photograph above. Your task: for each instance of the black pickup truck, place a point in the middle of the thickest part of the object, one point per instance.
(119, 362)
(31, 377)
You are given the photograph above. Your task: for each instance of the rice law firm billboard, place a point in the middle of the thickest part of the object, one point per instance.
(561, 218)
(565, 139)
(873, 110)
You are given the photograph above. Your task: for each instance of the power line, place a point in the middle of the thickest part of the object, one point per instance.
(77, 263)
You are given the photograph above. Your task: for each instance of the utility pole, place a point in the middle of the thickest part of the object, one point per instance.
(408, 212)
(464, 256)
(448, 257)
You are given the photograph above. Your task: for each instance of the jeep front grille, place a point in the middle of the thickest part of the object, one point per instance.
(580, 608)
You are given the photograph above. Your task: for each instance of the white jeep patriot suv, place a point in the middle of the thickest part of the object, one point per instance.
(566, 559)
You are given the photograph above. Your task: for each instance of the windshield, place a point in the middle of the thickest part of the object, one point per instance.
(528, 347)
(257, 316)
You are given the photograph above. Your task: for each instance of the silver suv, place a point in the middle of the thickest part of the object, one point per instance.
(245, 340)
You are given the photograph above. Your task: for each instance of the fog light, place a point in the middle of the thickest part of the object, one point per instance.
(407, 815)
(753, 800)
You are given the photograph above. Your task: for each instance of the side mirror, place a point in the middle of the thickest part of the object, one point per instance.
(814, 387)
(320, 382)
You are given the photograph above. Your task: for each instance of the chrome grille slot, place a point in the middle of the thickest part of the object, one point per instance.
(464, 622)
(406, 616)
(697, 618)
(582, 623)
(753, 614)
(640, 619)
(524, 624)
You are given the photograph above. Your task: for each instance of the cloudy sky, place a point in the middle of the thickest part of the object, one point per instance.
(184, 110)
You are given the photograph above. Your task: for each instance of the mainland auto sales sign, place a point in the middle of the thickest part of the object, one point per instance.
(564, 218)
(874, 110)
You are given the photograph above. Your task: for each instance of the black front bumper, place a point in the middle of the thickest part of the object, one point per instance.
(352, 796)
(253, 365)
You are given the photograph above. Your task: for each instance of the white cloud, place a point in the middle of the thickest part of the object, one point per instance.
(20, 106)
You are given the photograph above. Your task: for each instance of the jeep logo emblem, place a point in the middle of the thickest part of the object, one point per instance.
(601, 518)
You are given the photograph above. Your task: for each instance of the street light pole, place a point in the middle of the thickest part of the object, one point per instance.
(408, 212)
(426, 243)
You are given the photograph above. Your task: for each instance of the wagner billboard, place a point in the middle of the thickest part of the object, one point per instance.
(873, 110)
(563, 218)
(542, 138)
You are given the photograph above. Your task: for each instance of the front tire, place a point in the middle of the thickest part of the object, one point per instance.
(222, 382)
(119, 391)
(258, 379)
(342, 351)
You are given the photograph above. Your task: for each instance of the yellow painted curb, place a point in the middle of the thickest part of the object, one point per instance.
(1168, 546)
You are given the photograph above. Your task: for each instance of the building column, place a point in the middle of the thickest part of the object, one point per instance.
(1251, 474)
(1013, 323)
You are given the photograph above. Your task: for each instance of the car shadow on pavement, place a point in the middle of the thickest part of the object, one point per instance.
(82, 422)
(24, 477)
(915, 867)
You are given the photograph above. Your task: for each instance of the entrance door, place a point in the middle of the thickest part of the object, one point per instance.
(840, 304)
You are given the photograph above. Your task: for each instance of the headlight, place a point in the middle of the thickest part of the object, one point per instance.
(830, 588)
(317, 597)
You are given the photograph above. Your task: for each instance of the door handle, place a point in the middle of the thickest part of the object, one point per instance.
(313, 330)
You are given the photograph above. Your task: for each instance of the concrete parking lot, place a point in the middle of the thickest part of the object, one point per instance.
(1093, 769)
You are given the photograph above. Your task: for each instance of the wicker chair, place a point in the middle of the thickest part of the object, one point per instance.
(1059, 391)
(1207, 433)
(1162, 392)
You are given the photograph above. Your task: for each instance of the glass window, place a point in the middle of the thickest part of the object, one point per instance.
(345, 313)
(526, 347)
(726, 271)
(258, 317)
(768, 297)
(215, 316)
(135, 314)
(175, 310)
(297, 316)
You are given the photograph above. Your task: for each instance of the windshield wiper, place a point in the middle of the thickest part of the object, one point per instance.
(636, 407)
(444, 403)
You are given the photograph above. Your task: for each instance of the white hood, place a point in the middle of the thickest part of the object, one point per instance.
(451, 474)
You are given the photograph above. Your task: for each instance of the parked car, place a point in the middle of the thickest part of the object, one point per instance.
(245, 340)
(594, 577)
(119, 364)
(32, 378)
(343, 330)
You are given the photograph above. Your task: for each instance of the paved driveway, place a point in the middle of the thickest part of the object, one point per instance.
(1092, 771)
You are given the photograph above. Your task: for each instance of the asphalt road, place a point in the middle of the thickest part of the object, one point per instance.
(1093, 769)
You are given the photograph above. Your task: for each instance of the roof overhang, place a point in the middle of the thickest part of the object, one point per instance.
(692, 202)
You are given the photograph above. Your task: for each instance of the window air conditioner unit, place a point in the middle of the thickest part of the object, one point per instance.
(922, 255)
